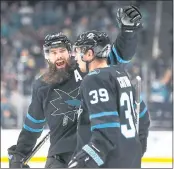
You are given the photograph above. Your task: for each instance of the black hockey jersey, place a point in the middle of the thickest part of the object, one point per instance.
(106, 118)
(56, 104)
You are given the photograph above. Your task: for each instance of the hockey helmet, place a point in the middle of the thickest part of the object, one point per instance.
(97, 41)
(54, 41)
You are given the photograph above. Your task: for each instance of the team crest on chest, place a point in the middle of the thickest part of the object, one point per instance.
(66, 104)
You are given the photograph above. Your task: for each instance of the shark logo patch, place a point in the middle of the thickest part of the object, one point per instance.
(66, 104)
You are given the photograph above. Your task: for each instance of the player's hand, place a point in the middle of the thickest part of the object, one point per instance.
(88, 157)
(16, 158)
(82, 160)
(129, 18)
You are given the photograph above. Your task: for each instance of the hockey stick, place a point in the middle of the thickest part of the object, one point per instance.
(38, 146)
(137, 100)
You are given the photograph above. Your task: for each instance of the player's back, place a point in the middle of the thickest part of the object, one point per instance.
(128, 151)
(130, 146)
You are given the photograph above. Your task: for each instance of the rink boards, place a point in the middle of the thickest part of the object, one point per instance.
(159, 150)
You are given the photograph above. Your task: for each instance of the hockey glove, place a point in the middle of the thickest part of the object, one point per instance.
(129, 19)
(88, 157)
(16, 158)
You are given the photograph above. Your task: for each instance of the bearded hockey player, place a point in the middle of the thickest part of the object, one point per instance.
(106, 134)
(55, 96)
(54, 101)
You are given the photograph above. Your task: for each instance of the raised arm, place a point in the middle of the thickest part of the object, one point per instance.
(124, 47)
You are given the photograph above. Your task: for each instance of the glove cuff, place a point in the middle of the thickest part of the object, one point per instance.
(12, 152)
(93, 154)
(129, 29)
(128, 35)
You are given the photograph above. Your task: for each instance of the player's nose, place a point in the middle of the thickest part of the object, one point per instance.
(58, 56)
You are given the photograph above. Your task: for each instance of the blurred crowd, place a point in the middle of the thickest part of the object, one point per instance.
(24, 24)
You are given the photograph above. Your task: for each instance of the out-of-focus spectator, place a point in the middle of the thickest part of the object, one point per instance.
(26, 12)
(8, 116)
(26, 70)
(161, 83)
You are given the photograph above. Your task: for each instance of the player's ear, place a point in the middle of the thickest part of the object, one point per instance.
(90, 54)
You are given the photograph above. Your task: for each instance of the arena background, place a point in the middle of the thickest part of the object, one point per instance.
(24, 25)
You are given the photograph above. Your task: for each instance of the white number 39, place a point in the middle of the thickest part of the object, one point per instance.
(101, 95)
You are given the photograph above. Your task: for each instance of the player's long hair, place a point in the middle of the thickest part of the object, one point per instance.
(58, 76)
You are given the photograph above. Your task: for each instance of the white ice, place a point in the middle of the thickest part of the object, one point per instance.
(144, 165)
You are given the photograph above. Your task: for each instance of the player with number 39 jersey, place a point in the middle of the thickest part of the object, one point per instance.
(108, 98)
(107, 135)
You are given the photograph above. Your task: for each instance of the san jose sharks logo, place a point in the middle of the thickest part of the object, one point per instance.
(66, 104)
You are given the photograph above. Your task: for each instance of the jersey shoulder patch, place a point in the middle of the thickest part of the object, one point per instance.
(94, 78)
(94, 72)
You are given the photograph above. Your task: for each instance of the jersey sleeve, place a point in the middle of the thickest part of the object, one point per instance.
(100, 99)
(144, 124)
(124, 48)
(144, 120)
(33, 124)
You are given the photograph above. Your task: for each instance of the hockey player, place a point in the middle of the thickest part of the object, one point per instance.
(106, 135)
(55, 95)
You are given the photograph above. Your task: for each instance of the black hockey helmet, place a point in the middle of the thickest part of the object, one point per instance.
(54, 41)
(97, 41)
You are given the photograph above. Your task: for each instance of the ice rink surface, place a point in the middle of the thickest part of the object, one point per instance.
(144, 165)
(155, 149)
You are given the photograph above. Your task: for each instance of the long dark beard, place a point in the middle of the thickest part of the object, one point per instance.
(54, 75)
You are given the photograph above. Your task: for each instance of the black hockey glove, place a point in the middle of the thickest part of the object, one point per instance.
(129, 19)
(16, 158)
(88, 157)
